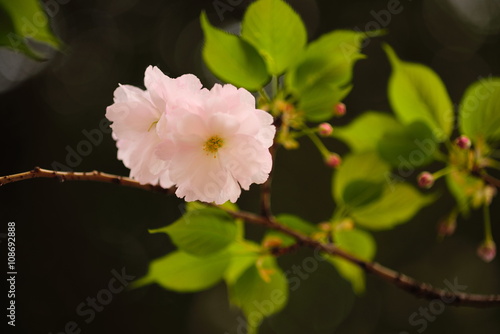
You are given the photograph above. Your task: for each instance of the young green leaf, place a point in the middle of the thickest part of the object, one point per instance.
(232, 59)
(413, 143)
(276, 31)
(260, 292)
(366, 166)
(364, 133)
(359, 243)
(202, 232)
(359, 193)
(479, 113)
(398, 204)
(183, 272)
(17, 23)
(417, 93)
(244, 255)
(320, 79)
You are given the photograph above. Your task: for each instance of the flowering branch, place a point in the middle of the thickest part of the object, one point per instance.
(412, 286)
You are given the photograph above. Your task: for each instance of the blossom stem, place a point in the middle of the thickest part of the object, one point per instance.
(488, 235)
(319, 144)
(400, 280)
(265, 194)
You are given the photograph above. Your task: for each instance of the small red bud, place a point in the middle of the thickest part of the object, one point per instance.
(340, 109)
(425, 180)
(325, 129)
(463, 142)
(333, 160)
(487, 250)
(447, 225)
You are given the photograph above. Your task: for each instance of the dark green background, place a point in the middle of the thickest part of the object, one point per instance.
(70, 236)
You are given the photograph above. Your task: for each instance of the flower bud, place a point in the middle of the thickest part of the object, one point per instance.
(333, 160)
(463, 142)
(339, 109)
(425, 180)
(325, 129)
(487, 250)
(447, 225)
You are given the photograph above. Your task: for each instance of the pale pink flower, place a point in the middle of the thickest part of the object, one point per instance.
(139, 116)
(219, 146)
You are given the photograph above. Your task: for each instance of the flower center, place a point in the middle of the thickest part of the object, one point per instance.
(213, 144)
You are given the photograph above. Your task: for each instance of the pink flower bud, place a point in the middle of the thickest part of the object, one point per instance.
(333, 160)
(487, 250)
(340, 109)
(425, 180)
(463, 142)
(447, 225)
(325, 129)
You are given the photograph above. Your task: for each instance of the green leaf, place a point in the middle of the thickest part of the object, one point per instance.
(417, 93)
(257, 297)
(183, 272)
(365, 166)
(202, 232)
(479, 113)
(294, 222)
(276, 31)
(321, 77)
(360, 244)
(463, 186)
(359, 193)
(25, 19)
(413, 143)
(364, 133)
(398, 204)
(232, 59)
(318, 103)
(244, 255)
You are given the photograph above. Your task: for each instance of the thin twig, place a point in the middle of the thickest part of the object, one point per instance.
(402, 281)
(38, 172)
(265, 192)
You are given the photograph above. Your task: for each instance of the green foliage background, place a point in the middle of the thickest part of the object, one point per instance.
(71, 235)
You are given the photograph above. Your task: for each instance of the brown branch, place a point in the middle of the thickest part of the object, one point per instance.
(406, 283)
(490, 179)
(38, 172)
(402, 281)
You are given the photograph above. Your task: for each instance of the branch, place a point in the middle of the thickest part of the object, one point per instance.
(402, 281)
(97, 176)
(406, 283)
(490, 179)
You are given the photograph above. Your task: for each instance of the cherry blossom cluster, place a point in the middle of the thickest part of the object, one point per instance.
(207, 143)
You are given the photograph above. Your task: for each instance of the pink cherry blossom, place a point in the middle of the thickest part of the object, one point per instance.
(139, 115)
(218, 147)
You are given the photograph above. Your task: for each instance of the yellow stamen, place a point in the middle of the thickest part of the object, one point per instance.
(213, 144)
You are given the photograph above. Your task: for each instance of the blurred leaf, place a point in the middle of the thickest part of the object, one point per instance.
(183, 272)
(479, 112)
(321, 77)
(318, 103)
(276, 31)
(202, 232)
(463, 186)
(398, 204)
(359, 193)
(364, 133)
(366, 167)
(232, 59)
(413, 143)
(24, 19)
(257, 297)
(243, 256)
(360, 244)
(417, 93)
(294, 222)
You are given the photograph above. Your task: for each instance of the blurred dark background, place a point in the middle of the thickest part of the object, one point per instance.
(71, 236)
